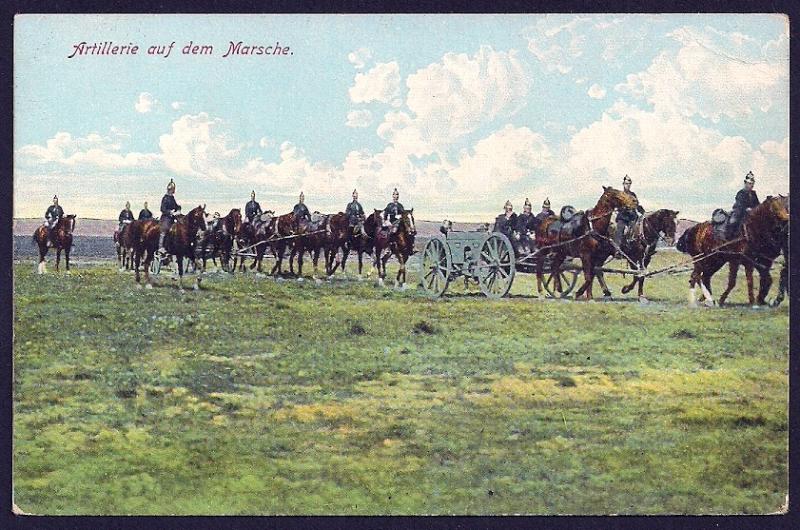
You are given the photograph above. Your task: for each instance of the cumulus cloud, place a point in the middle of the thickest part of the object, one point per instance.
(596, 92)
(359, 118)
(178, 105)
(197, 146)
(145, 103)
(381, 83)
(714, 74)
(265, 142)
(358, 58)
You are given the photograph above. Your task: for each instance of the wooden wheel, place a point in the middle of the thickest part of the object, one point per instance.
(496, 267)
(568, 277)
(435, 267)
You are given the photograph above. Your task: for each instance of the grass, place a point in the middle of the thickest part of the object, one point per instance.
(262, 397)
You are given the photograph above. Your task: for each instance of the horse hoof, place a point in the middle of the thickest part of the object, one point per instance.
(148, 286)
(300, 280)
(755, 306)
(710, 303)
(330, 277)
(139, 286)
(643, 300)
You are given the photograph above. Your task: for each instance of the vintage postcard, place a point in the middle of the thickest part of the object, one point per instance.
(401, 264)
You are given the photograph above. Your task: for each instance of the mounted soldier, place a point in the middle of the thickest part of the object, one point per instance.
(53, 214)
(546, 211)
(301, 213)
(393, 211)
(746, 199)
(626, 217)
(252, 209)
(169, 208)
(125, 216)
(506, 221)
(354, 211)
(145, 214)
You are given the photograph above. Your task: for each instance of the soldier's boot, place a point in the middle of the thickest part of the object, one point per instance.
(618, 236)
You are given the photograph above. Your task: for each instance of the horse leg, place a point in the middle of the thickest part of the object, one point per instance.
(66, 258)
(764, 285)
(136, 260)
(600, 275)
(733, 271)
(627, 288)
(179, 263)
(782, 284)
(693, 281)
(588, 275)
(705, 286)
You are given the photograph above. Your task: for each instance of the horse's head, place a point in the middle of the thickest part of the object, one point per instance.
(666, 223)
(67, 223)
(613, 198)
(197, 218)
(778, 207)
(234, 220)
(408, 221)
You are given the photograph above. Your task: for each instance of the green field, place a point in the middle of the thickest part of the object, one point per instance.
(262, 397)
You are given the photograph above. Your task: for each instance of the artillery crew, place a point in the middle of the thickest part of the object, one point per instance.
(526, 222)
(252, 209)
(354, 211)
(746, 199)
(506, 221)
(300, 211)
(626, 216)
(125, 216)
(393, 210)
(546, 211)
(145, 214)
(169, 207)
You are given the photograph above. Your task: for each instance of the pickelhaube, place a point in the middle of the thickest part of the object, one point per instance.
(302, 196)
(171, 185)
(253, 194)
(395, 192)
(55, 197)
(546, 203)
(508, 203)
(750, 178)
(626, 180)
(527, 203)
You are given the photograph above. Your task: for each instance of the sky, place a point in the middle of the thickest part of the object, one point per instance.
(458, 112)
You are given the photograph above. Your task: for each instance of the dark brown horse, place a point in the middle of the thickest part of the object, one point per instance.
(586, 236)
(220, 239)
(276, 233)
(180, 240)
(336, 237)
(640, 244)
(783, 284)
(61, 239)
(124, 250)
(312, 238)
(143, 237)
(757, 247)
(398, 242)
(361, 239)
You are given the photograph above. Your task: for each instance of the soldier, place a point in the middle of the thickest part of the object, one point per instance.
(626, 216)
(546, 211)
(746, 199)
(301, 212)
(252, 209)
(526, 222)
(393, 210)
(354, 211)
(145, 214)
(125, 216)
(506, 221)
(53, 214)
(168, 210)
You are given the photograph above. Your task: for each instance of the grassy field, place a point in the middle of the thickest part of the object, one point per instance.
(262, 397)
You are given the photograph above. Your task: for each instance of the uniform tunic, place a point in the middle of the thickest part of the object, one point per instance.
(145, 214)
(392, 211)
(505, 225)
(251, 210)
(354, 212)
(168, 205)
(54, 213)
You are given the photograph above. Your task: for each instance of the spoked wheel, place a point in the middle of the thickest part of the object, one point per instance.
(435, 267)
(568, 278)
(495, 269)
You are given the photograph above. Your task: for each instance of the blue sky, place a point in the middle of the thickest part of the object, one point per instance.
(459, 112)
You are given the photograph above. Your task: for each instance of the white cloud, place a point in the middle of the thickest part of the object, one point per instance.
(714, 74)
(178, 105)
(596, 92)
(359, 118)
(145, 103)
(198, 147)
(359, 57)
(381, 83)
(265, 142)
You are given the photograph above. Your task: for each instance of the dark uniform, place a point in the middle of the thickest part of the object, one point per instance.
(145, 214)
(125, 215)
(354, 213)
(626, 217)
(252, 209)
(392, 211)
(745, 200)
(544, 214)
(505, 225)
(53, 214)
(301, 214)
(526, 222)
(168, 205)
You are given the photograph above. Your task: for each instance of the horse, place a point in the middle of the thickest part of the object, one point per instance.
(143, 238)
(585, 235)
(273, 232)
(312, 238)
(783, 284)
(758, 246)
(336, 236)
(221, 239)
(61, 238)
(398, 242)
(245, 239)
(124, 251)
(640, 244)
(180, 239)
(361, 238)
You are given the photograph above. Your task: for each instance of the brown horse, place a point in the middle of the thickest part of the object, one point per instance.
(586, 236)
(361, 238)
(143, 237)
(61, 239)
(312, 238)
(783, 284)
(221, 239)
(640, 245)
(124, 250)
(758, 246)
(398, 242)
(336, 237)
(180, 240)
(276, 233)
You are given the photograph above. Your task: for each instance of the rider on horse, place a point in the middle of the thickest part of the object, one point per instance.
(506, 221)
(626, 216)
(252, 209)
(301, 212)
(746, 199)
(354, 211)
(53, 214)
(546, 211)
(393, 211)
(168, 210)
(145, 214)
(125, 216)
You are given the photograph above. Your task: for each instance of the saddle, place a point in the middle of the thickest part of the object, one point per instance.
(566, 229)
(317, 222)
(567, 212)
